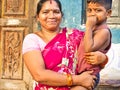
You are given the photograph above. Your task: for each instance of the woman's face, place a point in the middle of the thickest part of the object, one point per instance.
(50, 16)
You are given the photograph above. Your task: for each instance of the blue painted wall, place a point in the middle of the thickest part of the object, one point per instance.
(115, 35)
(72, 10)
(72, 13)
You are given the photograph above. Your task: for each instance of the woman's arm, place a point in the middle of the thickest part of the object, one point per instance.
(35, 64)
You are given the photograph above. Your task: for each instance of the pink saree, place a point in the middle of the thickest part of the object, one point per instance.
(60, 55)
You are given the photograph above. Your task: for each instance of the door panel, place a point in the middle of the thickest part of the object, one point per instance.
(15, 22)
(11, 39)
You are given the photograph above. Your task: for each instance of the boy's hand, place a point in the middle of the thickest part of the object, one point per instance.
(94, 58)
(91, 22)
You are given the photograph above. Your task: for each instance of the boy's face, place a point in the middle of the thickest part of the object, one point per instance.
(99, 11)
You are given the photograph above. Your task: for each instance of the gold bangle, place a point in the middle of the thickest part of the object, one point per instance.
(69, 79)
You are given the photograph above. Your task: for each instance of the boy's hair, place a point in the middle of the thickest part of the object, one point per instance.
(106, 3)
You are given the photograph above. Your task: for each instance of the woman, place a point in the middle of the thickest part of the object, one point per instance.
(51, 53)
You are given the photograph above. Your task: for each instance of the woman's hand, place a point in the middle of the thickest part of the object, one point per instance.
(87, 80)
(95, 58)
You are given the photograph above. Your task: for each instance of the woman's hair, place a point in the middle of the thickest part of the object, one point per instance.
(106, 3)
(41, 2)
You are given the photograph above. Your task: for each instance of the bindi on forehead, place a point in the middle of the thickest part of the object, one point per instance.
(50, 1)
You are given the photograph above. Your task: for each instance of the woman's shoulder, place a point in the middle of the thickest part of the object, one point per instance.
(32, 42)
(32, 36)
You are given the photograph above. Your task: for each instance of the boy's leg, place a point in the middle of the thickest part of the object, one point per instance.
(97, 81)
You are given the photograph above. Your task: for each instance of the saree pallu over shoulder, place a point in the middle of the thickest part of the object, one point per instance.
(54, 50)
(60, 55)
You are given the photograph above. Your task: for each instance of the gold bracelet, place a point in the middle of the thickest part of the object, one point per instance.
(69, 79)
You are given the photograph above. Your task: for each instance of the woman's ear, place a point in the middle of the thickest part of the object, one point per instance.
(109, 12)
(37, 17)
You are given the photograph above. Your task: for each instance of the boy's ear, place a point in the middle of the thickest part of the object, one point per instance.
(109, 13)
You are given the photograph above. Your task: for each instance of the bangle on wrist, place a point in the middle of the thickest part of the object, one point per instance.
(102, 65)
(69, 79)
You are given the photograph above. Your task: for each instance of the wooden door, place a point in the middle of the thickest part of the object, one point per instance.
(16, 20)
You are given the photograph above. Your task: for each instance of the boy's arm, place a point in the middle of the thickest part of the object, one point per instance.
(97, 40)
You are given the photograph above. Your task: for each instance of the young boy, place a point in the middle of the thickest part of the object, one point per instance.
(97, 35)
